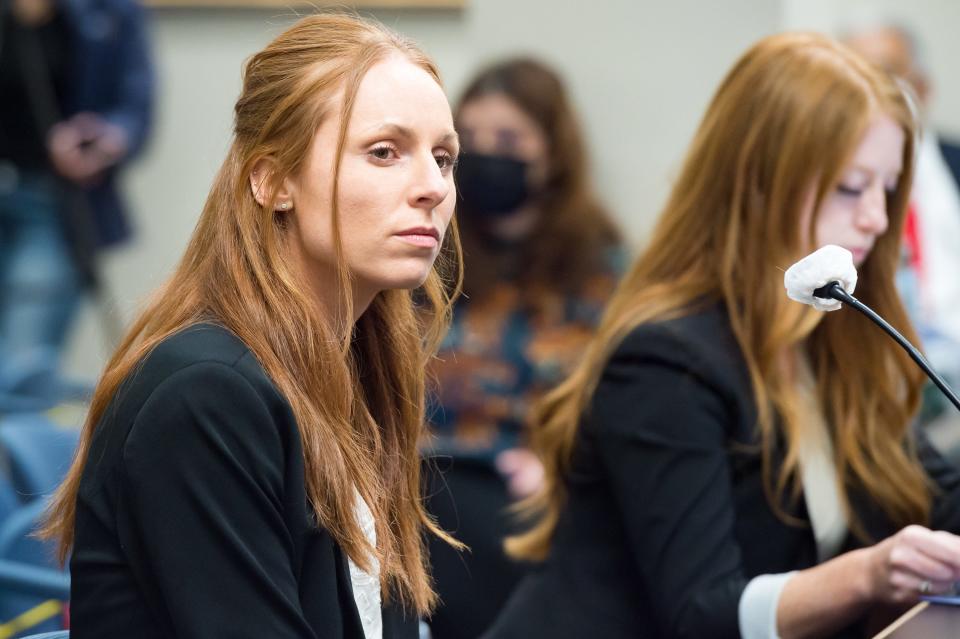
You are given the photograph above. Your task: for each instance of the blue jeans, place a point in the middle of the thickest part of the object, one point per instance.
(40, 285)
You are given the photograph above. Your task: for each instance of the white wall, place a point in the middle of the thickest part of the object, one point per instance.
(640, 73)
(934, 22)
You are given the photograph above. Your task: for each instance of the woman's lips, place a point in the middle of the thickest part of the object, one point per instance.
(859, 254)
(422, 237)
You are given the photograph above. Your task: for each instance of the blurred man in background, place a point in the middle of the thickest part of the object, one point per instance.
(928, 281)
(77, 87)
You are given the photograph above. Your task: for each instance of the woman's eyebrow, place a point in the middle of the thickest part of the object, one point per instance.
(398, 130)
(402, 131)
(450, 138)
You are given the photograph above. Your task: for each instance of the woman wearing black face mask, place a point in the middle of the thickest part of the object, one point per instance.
(492, 186)
(541, 256)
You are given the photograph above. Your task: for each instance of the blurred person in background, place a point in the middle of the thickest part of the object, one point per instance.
(929, 280)
(541, 257)
(77, 87)
(726, 462)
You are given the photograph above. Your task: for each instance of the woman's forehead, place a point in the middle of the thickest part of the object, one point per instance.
(397, 92)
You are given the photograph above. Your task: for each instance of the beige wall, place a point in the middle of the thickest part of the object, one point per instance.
(936, 23)
(640, 73)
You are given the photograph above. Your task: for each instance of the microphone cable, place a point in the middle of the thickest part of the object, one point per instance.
(833, 290)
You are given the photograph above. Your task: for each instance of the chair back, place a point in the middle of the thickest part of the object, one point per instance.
(32, 585)
(38, 453)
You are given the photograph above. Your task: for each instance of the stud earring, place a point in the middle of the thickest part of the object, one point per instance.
(284, 206)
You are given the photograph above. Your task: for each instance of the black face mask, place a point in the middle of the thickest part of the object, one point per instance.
(491, 186)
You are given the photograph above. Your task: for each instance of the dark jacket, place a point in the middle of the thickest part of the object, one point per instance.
(192, 516)
(951, 154)
(667, 520)
(112, 76)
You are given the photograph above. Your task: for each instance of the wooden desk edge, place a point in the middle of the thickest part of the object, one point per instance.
(907, 616)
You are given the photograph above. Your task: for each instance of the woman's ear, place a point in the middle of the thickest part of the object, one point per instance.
(260, 178)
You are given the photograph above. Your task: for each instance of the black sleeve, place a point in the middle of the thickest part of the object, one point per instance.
(202, 509)
(660, 429)
(946, 478)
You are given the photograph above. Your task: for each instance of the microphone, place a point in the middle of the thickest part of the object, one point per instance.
(826, 278)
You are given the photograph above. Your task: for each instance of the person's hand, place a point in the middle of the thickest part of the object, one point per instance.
(522, 470)
(913, 562)
(33, 13)
(84, 147)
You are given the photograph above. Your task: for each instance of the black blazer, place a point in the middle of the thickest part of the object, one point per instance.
(951, 155)
(192, 517)
(666, 519)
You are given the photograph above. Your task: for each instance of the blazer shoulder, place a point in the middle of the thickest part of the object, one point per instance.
(700, 345)
(199, 343)
(696, 339)
(193, 357)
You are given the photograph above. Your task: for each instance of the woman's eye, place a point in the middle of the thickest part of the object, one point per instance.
(849, 190)
(383, 152)
(444, 161)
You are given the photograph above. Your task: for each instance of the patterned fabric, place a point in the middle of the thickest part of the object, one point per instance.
(502, 353)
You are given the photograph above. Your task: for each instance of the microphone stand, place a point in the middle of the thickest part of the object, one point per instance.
(833, 290)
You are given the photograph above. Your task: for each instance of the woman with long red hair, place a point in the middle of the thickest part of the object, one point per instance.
(726, 462)
(249, 467)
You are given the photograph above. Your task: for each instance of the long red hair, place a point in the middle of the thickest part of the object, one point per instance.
(786, 118)
(358, 431)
